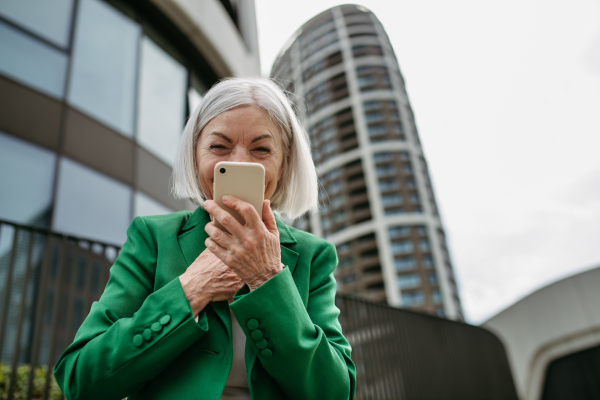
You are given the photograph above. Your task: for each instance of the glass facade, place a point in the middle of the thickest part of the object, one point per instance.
(51, 20)
(104, 65)
(111, 85)
(32, 62)
(90, 204)
(26, 177)
(162, 101)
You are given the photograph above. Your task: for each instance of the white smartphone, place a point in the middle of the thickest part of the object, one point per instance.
(246, 181)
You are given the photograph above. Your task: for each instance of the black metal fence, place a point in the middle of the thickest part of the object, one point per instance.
(49, 282)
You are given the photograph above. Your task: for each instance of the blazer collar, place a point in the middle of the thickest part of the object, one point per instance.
(201, 217)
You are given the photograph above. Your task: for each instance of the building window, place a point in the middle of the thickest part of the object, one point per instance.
(144, 205)
(388, 184)
(372, 105)
(161, 102)
(90, 204)
(377, 130)
(27, 174)
(31, 62)
(399, 231)
(421, 230)
(385, 170)
(346, 262)
(424, 245)
(389, 200)
(374, 117)
(349, 278)
(436, 296)
(402, 247)
(335, 187)
(404, 264)
(414, 198)
(383, 157)
(409, 281)
(404, 156)
(428, 262)
(413, 298)
(103, 85)
(433, 279)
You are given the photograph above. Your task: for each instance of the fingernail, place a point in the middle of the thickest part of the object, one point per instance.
(226, 198)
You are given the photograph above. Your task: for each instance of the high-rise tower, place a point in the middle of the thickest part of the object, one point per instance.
(378, 206)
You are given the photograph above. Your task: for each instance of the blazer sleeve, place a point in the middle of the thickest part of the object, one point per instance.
(302, 348)
(132, 333)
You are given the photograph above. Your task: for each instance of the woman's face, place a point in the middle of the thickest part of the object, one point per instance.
(242, 134)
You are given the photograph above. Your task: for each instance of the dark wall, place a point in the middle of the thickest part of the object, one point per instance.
(400, 354)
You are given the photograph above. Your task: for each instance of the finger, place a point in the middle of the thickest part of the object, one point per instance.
(226, 219)
(246, 210)
(218, 251)
(219, 236)
(269, 218)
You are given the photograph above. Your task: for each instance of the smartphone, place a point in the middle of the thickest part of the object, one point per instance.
(246, 181)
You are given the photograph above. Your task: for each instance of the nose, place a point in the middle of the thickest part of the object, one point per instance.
(240, 155)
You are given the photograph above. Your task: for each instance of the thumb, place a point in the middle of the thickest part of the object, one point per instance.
(269, 218)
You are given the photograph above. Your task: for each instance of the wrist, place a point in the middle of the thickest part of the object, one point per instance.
(197, 300)
(262, 280)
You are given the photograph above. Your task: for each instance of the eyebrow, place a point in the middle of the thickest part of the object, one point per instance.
(219, 134)
(265, 136)
(256, 139)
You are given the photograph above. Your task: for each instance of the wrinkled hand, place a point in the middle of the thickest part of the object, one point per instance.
(208, 279)
(252, 250)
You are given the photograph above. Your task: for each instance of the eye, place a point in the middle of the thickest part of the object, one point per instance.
(263, 149)
(216, 146)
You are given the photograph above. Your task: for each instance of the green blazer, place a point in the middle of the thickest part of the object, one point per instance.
(141, 341)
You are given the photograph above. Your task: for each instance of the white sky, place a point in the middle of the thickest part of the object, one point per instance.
(506, 95)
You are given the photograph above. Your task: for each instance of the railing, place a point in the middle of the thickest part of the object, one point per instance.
(49, 282)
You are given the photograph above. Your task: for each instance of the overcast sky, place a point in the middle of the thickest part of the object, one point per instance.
(506, 95)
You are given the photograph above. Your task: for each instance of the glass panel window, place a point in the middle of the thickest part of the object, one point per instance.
(403, 264)
(146, 205)
(372, 105)
(428, 262)
(388, 184)
(49, 19)
(346, 262)
(424, 245)
(26, 177)
(404, 156)
(389, 200)
(432, 277)
(377, 130)
(409, 281)
(335, 187)
(104, 65)
(349, 278)
(194, 99)
(90, 204)
(413, 298)
(374, 117)
(385, 170)
(161, 101)
(421, 230)
(383, 157)
(31, 62)
(399, 231)
(402, 247)
(436, 296)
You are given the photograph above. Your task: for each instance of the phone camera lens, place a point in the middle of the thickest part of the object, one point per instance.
(222, 170)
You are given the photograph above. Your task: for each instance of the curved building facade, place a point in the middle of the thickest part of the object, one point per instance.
(378, 204)
(93, 97)
(552, 339)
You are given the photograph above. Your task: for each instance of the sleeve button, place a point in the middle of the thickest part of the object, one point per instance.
(256, 334)
(266, 353)
(137, 340)
(165, 319)
(156, 327)
(252, 324)
(147, 334)
(262, 344)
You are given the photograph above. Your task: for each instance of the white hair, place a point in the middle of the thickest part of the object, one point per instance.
(297, 191)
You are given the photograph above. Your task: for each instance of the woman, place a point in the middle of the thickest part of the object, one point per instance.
(191, 312)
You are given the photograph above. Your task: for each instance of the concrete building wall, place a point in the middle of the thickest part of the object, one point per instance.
(557, 320)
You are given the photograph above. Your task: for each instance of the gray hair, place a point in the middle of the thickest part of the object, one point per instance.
(297, 191)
